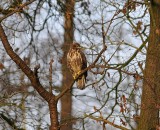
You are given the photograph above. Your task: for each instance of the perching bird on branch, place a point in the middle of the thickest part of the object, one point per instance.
(77, 62)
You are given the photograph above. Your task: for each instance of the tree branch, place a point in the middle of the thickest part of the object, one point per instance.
(106, 122)
(16, 10)
(30, 74)
(33, 76)
(10, 122)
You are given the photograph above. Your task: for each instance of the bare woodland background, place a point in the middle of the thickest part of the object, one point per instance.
(121, 40)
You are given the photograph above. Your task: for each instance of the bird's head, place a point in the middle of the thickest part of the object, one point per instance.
(76, 45)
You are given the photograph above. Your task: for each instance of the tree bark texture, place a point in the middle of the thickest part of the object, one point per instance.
(53, 114)
(66, 100)
(149, 117)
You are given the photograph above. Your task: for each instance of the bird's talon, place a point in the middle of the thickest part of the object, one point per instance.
(79, 72)
(74, 77)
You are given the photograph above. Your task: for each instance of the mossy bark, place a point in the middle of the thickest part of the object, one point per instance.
(149, 117)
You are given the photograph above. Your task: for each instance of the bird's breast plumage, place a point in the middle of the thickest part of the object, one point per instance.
(76, 62)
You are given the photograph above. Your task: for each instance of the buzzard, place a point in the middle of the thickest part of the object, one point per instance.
(77, 62)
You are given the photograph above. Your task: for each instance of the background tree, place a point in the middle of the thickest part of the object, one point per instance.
(66, 100)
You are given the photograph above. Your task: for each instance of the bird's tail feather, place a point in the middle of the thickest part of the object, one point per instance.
(81, 82)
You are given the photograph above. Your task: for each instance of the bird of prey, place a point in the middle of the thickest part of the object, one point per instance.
(77, 62)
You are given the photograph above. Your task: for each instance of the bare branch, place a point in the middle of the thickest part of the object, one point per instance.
(30, 74)
(106, 122)
(33, 76)
(50, 75)
(16, 10)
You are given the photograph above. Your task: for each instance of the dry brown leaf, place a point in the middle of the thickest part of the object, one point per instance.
(124, 11)
(136, 117)
(123, 99)
(1, 66)
(134, 32)
(137, 77)
(122, 110)
(139, 25)
(123, 107)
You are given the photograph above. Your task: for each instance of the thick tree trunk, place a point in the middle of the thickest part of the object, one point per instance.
(149, 117)
(53, 114)
(66, 100)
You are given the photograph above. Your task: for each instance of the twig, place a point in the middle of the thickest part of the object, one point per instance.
(16, 10)
(50, 75)
(106, 122)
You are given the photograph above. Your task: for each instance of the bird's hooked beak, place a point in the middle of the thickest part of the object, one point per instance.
(82, 48)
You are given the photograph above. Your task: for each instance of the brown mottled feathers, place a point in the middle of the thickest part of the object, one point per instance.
(77, 62)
